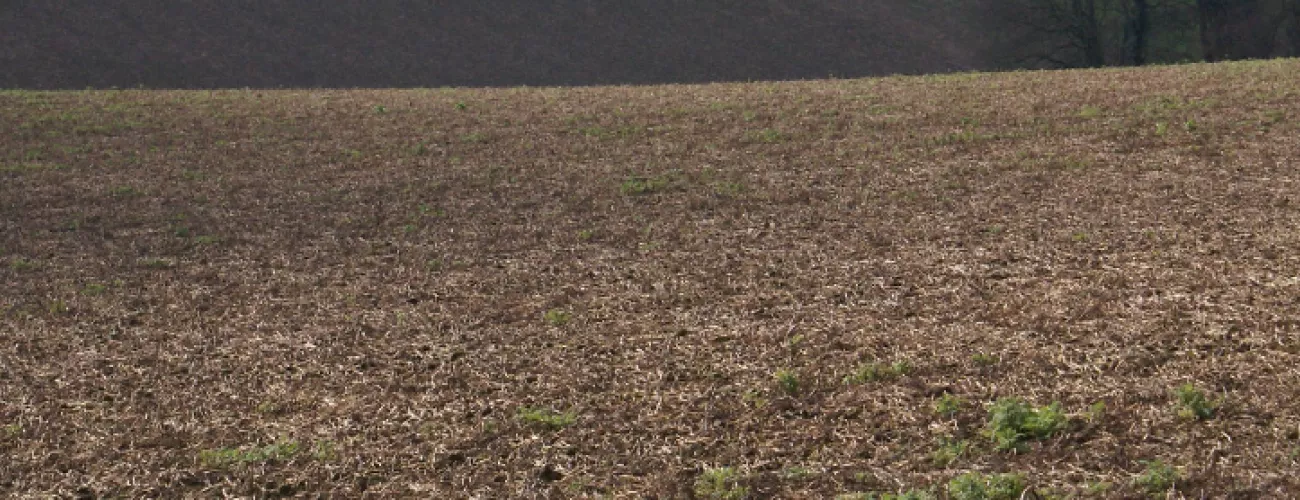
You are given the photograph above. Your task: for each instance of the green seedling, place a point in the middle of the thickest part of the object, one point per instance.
(949, 451)
(905, 495)
(767, 136)
(723, 483)
(948, 405)
(547, 418)
(221, 458)
(1193, 404)
(1158, 478)
(557, 317)
(982, 359)
(876, 372)
(976, 486)
(787, 381)
(1012, 423)
(640, 185)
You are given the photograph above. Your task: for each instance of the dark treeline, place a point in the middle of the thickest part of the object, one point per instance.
(1092, 33)
(405, 43)
(428, 43)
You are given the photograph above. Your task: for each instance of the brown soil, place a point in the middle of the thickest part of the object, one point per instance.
(364, 293)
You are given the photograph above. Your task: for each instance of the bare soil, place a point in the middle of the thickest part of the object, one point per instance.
(553, 293)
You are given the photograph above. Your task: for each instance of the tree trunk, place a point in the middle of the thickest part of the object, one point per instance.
(1211, 23)
(1137, 31)
(1293, 32)
(1239, 29)
(1089, 33)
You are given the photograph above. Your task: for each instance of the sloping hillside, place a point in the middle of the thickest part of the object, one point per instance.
(1085, 279)
(404, 43)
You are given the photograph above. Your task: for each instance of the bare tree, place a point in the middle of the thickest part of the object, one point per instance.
(1053, 33)
(1241, 29)
(1137, 32)
(1080, 33)
(1293, 30)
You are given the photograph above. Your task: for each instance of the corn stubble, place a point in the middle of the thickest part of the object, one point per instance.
(928, 219)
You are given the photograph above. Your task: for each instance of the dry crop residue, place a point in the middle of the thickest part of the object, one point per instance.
(773, 289)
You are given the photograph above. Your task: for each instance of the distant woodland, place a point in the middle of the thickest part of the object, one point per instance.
(1092, 33)
(430, 43)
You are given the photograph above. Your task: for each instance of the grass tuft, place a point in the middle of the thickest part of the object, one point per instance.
(222, 458)
(976, 486)
(948, 405)
(877, 372)
(547, 418)
(905, 495)
(1193, 404)
(642, 185)
(1158, 478)
(787, 381)
(557, 317)
(723, 483)
(1013, 422)
(21, 264)
(949, 451)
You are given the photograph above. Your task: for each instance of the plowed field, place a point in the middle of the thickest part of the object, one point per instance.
(794, 290)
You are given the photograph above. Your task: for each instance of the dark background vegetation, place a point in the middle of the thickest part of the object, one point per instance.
(403, 43)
